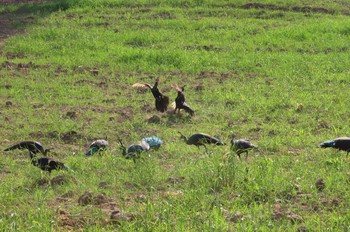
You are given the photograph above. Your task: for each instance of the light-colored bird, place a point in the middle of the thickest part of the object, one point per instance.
(97, 146)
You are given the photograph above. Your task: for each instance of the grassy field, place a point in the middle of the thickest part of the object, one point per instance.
(273, 72)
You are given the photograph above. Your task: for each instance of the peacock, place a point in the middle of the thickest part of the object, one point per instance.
(49, 164)
(97, 146)
(32, 146)
(44, 163)
(200, 139)
(134, 150)
(161, 101)
(240, 146)
(341, 143)
(180, 101)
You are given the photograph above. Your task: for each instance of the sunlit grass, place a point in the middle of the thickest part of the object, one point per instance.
(276, 77)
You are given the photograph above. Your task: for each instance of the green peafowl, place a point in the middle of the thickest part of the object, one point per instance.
(97, 146)
(341, 143)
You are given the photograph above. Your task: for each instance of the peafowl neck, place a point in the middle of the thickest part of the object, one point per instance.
(330, 143)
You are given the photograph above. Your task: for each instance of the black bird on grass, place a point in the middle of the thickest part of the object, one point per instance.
(32, 146)
(49, 164)
(97, 146)
(44, 163)
(161, 101)
(240, 146)
(180, 101)
(134, 151)
(341, 143)
(200, 139)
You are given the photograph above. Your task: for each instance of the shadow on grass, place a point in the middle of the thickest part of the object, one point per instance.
(16, 15)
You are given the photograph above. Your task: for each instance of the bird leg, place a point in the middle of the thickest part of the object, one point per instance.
(246, 154)
(239, 154)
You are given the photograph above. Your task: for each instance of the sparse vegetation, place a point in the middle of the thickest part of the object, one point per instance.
(273, 72)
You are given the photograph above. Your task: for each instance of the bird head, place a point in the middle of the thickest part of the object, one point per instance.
(329, 143)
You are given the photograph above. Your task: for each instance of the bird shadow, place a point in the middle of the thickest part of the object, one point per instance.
(174, 118)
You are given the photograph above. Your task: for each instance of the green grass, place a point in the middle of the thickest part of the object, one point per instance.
(277, 76)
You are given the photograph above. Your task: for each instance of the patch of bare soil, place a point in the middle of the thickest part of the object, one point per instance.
(19, 66)
(305, 9)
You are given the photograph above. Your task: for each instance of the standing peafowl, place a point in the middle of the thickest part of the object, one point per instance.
(240, 146)
(180, 101)
(161, 101)
(341, 143)
(97, 146)
(32, 146)
(200, 139)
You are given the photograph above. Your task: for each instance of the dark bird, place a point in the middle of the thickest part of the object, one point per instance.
(180, 101)
(200, 139)
(44, 163)
(341, 143)
(161, 101)
(49, 164)
(134, 150)
(32, 146)
(240, 146)
(97, 146)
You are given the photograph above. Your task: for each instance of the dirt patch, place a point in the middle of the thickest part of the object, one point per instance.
(204, 47)
(18, 66)
(67, 137)
(305, 9)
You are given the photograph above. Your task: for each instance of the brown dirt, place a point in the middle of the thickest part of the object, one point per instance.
(305, 9)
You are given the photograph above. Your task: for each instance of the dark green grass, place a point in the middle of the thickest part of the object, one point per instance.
(277, 76)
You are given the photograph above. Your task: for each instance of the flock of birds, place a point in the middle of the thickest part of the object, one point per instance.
(134, 151)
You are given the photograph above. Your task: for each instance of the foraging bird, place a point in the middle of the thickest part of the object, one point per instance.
(44, 163)
(154, 142)
(180, 101)
(341, 143)
(134, 150)
(32, 146)
(161, 101)
(200, 139)
(240, 146)
(96, 146)
(49, 164)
